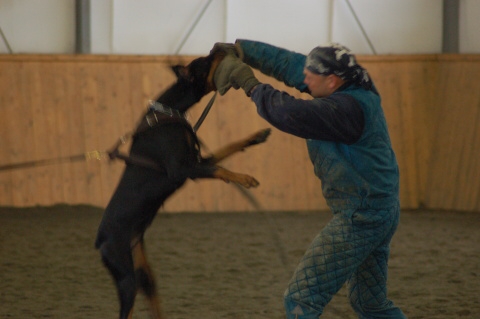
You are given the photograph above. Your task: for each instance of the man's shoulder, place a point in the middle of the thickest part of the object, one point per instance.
(345, 95)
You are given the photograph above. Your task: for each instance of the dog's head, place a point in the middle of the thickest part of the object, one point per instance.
(199, 73)
(193, 82)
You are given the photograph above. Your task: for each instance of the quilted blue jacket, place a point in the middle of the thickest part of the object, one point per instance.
(346, 133)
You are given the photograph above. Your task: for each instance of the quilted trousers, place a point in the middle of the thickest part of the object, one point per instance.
(352, 248)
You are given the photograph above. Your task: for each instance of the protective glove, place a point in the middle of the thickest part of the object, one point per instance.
(242, 77)
(221, 77)
(227, 48)
(233, 72)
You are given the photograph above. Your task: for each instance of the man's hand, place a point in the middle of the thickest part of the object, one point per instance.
(233, 72)
(242, 77)
(221, 77)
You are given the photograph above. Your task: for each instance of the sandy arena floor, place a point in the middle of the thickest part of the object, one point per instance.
(225, 265)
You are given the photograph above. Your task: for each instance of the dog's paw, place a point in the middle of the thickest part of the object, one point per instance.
(259, 137)
(227, 176)
(246, 181)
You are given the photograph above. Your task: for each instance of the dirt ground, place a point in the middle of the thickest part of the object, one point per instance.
(229, 265)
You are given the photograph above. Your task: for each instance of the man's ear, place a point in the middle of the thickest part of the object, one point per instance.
(334, 81)
(181, 72)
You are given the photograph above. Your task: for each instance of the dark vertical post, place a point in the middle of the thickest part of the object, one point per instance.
(450, 38)
(82, 26)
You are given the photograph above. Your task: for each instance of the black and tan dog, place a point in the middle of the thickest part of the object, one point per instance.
(166, 142)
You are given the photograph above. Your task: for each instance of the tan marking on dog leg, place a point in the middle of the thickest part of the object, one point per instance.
(140, 262)
(227, 176)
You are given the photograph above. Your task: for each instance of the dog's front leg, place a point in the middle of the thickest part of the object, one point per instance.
(207, 170)
(227, 176)
(230, 149)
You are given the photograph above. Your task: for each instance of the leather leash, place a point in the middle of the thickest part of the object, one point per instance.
(114, 153)
(204, 113)
(66, 159)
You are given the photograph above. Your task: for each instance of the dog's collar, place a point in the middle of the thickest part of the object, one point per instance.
(159, 107)
(160, 114)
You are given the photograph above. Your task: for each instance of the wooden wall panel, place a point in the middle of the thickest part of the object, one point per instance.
(406, 84)
(454, 174)
(54, 105)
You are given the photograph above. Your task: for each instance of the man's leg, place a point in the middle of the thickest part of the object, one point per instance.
(367, 287)
(329, 261)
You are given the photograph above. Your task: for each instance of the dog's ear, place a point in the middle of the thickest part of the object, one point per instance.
(181, 72)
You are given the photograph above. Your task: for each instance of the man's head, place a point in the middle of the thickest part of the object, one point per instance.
(329, 67)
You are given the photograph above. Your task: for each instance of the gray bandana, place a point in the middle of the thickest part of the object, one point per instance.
(337, 59)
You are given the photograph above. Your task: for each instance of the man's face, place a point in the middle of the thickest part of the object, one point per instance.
(320, 85)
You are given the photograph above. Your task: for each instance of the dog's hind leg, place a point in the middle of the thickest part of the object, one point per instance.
(118, 260)
(145, 279)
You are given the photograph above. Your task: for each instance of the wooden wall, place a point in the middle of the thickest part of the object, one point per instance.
(54, 105)
(454, 167)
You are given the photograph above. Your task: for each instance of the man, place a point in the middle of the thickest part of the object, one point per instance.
(349, 146)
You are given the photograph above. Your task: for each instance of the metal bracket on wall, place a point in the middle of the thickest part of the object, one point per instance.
(361, 27)
(192, 27)
(6, 41)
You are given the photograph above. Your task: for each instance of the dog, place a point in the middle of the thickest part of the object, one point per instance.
(169, 149)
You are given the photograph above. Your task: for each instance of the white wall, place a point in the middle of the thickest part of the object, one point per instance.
(38, 26)
(393, 26)
(101, 29)
(153, 27)
(297, 25)
(469, 26)
(160, 26)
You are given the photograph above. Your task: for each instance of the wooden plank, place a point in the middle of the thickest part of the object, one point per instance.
(9, 87)
(71, 131)
(21, 128)
(454, 181)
